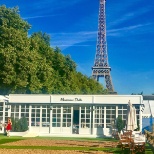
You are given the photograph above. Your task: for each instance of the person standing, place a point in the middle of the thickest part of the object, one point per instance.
(8, 127)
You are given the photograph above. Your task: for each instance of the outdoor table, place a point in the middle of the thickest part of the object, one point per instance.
(140, 138)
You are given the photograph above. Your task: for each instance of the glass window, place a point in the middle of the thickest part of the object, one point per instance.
(35, 115)
(82, 111)
(53, 110)
(58, 120)
(43, 111)
(119, 112)
(12, 114)
(56, 116)
(23, 114)
(99, 116)
(22, 110)
(85, 116)
(43, 115)
(17, 115)
(110, 115)
(58, 124)
(15, 111)
(59, 111)
(66, 122)
(53, 124)
(120, 106)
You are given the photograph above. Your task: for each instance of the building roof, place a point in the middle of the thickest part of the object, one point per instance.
(148, 97)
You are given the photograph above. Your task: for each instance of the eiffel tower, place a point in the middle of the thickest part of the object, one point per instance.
(101, 66)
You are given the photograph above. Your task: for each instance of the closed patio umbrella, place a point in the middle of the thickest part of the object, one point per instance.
(135, 119)
(131, 120)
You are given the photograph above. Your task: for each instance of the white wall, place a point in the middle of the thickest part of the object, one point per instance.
(149, 108)
(73, 99)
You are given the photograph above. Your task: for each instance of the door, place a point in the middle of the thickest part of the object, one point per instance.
(75, 126)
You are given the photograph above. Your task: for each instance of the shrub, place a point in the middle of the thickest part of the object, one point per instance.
(19, 125)
(119, 124)
(23, 124)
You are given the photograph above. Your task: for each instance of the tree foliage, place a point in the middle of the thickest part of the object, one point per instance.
(30, 65)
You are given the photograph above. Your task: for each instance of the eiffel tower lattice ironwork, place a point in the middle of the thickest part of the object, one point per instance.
(101, 66)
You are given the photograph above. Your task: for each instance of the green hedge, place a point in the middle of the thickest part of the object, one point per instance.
(19, 125)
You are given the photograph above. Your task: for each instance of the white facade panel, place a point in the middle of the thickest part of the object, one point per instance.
(85, 131)
(13, 98)
(73, 99)
(118, 99)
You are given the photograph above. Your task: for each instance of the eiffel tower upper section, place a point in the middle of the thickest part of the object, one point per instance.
(101, 66)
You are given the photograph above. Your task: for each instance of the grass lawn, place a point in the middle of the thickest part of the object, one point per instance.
(117, 150)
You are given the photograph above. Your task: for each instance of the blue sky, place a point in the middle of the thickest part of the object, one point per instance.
(73, 24)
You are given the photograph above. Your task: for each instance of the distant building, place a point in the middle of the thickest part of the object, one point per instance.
(148, 112)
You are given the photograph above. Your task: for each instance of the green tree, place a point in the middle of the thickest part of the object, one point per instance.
(13, 41)
(24, 70)
(42, 36)
(10, 18)
(30, 65)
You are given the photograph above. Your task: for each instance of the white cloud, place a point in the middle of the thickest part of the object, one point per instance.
(72, 39)
(35, 17)
(65, 40)
(129, 16)
(122, 31)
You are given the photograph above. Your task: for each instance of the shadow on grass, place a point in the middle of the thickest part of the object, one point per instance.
(78, 139)
(4, 139)
(8, 140)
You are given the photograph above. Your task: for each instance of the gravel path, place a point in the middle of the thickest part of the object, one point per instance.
(60, 143)
(66, 143)
(28, 151)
